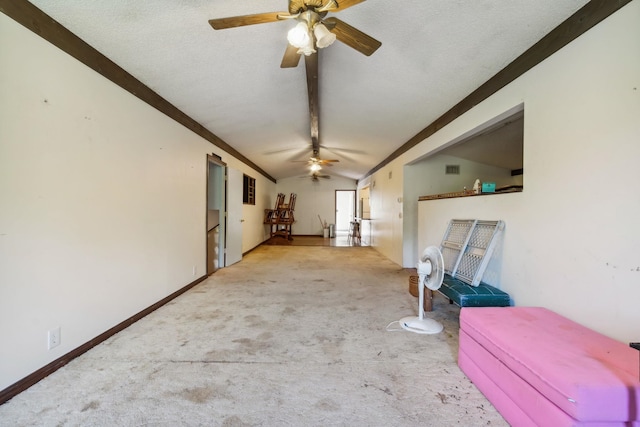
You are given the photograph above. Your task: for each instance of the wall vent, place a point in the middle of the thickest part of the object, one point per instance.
(452, 170)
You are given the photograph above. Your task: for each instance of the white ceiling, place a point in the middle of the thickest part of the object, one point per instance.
(433, 54)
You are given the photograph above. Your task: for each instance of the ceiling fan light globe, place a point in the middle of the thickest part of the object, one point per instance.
(298, 36)
(307, 49)
(315, 167)
(324, 37)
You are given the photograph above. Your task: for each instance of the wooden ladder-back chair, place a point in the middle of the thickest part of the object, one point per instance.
(281, 218)
(271, 215)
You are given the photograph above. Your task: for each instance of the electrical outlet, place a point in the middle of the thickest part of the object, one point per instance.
(195, 270)
(53, 338)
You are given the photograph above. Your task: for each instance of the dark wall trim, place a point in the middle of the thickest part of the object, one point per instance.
(49, 369)
(577, 24)
(43, 25)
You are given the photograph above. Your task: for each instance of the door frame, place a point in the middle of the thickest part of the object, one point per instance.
(336, 206)
(216, 161)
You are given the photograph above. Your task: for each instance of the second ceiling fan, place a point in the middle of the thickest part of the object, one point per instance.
(313, 29)
(315, 165)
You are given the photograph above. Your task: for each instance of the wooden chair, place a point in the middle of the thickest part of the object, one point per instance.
(281, 218)
(271, 215)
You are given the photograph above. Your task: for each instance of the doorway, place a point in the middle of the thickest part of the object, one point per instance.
(345, 209)
(216, 226)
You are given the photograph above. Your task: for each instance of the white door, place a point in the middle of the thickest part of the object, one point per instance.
(345, 209)
(234, 217)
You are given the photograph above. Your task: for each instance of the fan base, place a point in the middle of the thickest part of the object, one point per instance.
(421, 326)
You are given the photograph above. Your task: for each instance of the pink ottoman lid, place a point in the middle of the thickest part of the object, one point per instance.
(588, 375)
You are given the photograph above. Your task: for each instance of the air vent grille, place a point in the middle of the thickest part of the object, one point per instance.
(452, 170)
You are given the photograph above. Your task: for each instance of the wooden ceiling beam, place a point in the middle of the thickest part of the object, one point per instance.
(311, 65)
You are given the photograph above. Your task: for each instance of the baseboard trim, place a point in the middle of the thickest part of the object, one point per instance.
(47, 370)
(254, 248)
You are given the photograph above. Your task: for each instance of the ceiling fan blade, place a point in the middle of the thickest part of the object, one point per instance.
(241, 21)
(342, 150)
(351, 36)
(291, 57)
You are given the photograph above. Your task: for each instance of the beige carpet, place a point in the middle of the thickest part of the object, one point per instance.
(290, 336)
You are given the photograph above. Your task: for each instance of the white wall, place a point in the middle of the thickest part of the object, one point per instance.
(103, 203)
(572, 237)
(313, 199)
(386, 204)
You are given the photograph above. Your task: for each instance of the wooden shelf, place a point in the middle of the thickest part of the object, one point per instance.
(470, 193)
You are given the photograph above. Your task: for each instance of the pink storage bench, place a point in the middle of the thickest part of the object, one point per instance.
(541, 369)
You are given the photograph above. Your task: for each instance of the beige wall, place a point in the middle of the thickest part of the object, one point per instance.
(313, 199)
(572, 237)
(103, 203)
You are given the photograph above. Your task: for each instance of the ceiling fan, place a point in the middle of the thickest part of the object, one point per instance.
(313, 29)
(317, 161)
(315, 176)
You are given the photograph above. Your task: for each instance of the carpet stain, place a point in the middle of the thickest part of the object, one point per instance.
(254, 320)
(45, 410)
(385, 390)
(91, 405)
(287, 311)
(252, 347)
(197, 394)
(215, 314)
(328, 405)
(443, 398)
(234, 421)
(153, 374)
(219, 356)
(265, 336)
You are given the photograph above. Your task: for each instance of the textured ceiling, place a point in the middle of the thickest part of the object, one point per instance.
(433, 54)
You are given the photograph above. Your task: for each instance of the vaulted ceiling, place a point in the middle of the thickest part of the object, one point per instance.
(434, 53)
